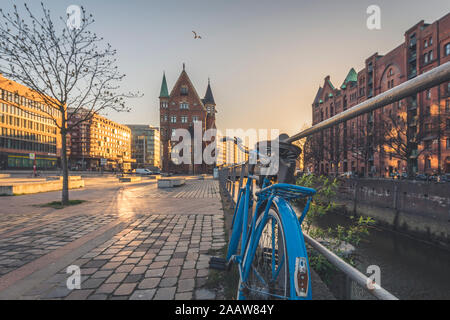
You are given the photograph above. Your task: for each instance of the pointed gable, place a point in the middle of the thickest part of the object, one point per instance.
(352, 76)
(164, 93)
(318, 96)
(209, 98)
(185, 81)
(328, 89)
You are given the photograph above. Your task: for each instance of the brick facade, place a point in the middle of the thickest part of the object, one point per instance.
(422, 122)
(180, 109)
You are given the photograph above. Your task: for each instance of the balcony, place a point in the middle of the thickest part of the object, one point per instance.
(412, 57)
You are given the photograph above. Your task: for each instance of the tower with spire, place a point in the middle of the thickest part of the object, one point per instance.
(180, 109)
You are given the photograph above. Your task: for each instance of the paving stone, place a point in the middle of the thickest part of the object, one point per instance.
(58, 292)
(183, 296)
(200, 282)
(125, 268)
(102, 274)
(125, 289)
(165, 293)
(92, 283)
(188, 274)
(98, 297)
(204, 294)
(168, 282)
(79, 294)
(158, 265)
(139, 270)
(95, 263)
(202, 273)
(111, 265)
(162, 258)
(172, 272)
(176, 262)
(133, 278)
(149, 283)
(107, 288)
(143, 294)
(154, 273)
(186, 285)
(116, 277)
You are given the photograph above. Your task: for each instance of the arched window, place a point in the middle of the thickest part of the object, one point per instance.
(447, 49)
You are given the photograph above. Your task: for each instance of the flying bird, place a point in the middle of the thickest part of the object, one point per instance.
(196, 36)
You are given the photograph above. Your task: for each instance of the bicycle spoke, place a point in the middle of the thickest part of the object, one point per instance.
(268, 270)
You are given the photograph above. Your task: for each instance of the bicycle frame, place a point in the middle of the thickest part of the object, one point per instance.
(248, 235)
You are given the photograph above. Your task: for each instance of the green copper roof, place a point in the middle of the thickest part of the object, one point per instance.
(331, 85)
(164, 92)
(352, 76)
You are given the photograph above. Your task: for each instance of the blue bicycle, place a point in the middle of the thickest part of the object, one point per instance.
(266, 240)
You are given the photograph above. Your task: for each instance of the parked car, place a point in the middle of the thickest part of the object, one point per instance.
(421, 177)
(144, 171)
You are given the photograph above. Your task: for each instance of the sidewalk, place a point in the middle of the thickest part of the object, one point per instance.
(131, 241)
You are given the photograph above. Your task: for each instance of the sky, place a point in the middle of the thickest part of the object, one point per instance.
(265, 59)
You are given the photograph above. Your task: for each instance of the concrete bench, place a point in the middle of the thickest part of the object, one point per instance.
(130, 179)
(36, 187)
(170, 182)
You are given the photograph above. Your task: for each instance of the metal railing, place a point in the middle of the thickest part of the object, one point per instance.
(406, 89)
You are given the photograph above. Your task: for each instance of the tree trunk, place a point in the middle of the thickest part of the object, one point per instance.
(64, 164)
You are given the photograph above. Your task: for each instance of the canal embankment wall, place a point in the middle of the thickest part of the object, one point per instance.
(419, 209)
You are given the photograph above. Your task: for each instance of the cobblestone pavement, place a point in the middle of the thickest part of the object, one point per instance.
(131, 241)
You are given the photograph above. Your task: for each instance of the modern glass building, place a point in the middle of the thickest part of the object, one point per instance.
(145, 146)
(28, 133)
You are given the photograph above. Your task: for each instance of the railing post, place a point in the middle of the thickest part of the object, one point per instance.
(233, 183)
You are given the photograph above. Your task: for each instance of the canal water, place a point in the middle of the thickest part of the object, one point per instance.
(410, 269)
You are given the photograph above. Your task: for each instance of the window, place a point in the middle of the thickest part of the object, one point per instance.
(430, 58)
(447, 105)
(184, 90)
(427, 163)
(425, 43)
(428, 94)
(447, 49)
(195, 118)
(184, 119)
(425, 58)
(431, 41)
(448, 144)
(184, 105)
(173, 119)
(164, 104)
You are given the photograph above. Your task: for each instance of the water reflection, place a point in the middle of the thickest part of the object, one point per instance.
(410, 269)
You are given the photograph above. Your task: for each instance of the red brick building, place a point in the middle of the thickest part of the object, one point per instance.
(181, 109)
(410, 136)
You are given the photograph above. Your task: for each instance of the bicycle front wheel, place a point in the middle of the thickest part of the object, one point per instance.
(275, 264)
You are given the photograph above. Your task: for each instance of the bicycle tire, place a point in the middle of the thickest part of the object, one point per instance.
(295, 252)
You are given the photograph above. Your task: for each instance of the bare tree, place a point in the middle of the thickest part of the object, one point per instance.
(64, 66)
(312, 152)
(400, 137)
(334, 146)
(363, 140)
